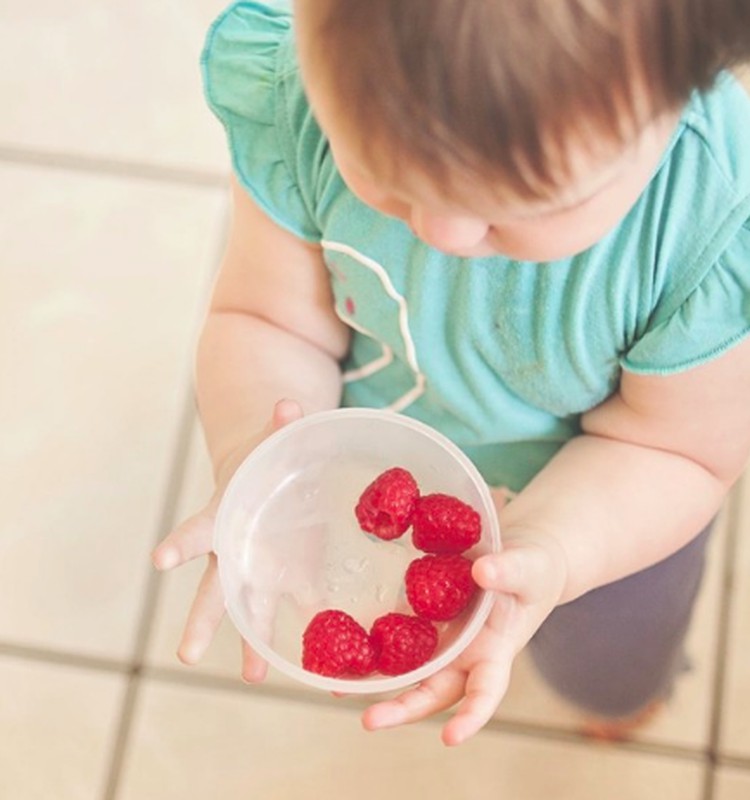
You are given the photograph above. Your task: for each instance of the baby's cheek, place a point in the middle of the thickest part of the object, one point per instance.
(375, 199)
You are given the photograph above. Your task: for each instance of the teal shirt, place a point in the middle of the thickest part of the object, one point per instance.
(502, 356)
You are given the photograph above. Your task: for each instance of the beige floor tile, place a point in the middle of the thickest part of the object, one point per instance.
(732, 784)
(686, 720)
(735, 729)
(192, 744)
(103, 281)
(109, 79)
(57, 725)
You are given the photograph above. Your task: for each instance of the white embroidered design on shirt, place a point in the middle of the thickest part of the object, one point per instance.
(386, 357)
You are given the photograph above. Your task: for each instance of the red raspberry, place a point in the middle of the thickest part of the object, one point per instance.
(335, 644)
(402, 643)
(386, 506)
(439, 587)
(444, 524)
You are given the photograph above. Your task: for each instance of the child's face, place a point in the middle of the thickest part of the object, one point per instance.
(602, 182)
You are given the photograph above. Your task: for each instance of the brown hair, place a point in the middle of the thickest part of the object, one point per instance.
(489, 85)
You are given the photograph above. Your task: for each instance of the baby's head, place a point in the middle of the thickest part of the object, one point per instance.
(527, 127)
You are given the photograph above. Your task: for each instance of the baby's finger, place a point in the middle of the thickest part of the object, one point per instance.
(435, 694)
(190, 539)
(205, 616)
(485, 688)
(254, 668)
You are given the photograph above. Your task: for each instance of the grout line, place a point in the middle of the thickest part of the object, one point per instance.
(735, 762)
(201, 680)
(175, 481)
(62, 658)
(151, 592)
(176, 676)
(114, 167)
(734, 508)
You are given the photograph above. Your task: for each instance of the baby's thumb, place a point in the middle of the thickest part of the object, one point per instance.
(518, 570)
(284, 412)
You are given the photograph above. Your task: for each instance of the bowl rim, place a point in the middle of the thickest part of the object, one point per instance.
(363, 685)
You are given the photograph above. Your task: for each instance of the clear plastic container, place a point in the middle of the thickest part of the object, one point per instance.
(288, 543)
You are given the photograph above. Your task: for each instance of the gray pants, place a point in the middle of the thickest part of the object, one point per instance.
(618, 647)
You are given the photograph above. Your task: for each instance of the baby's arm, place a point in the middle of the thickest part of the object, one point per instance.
(270, 333)
(652, 468)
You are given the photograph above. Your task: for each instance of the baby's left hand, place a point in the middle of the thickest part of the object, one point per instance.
(529, 576)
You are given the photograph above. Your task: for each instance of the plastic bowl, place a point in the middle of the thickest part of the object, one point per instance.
(288, 543)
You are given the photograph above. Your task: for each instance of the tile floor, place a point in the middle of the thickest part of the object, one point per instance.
(114, 177)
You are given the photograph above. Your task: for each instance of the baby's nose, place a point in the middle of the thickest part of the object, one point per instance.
(451, 234)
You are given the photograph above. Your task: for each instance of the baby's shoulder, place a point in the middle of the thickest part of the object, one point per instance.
(717, 122)
(245, 53)
(252, 84)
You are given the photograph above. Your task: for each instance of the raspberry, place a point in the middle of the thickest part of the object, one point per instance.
(402, 643)
(386, 506)
(439, 587)
(444, 524)
(335, 644)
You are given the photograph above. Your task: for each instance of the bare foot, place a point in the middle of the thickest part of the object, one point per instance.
(621, 730)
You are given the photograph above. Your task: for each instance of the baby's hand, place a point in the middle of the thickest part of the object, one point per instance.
(193, 538)
(529, 576)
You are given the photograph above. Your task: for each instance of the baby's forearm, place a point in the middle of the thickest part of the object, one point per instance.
(615, 508)
(244, 366)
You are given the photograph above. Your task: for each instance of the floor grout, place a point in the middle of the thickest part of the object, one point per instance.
(171, 498)
(119, 168)
(175, 677)
(735, 762)
(721, 653)
(46, 655)
(151, 592)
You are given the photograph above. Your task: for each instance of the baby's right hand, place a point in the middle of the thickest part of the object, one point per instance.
(193, 538)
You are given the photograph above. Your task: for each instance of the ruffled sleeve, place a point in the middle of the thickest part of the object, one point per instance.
(713, 318)
(243, 62)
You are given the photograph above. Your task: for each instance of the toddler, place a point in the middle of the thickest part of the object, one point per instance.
(527, 224)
